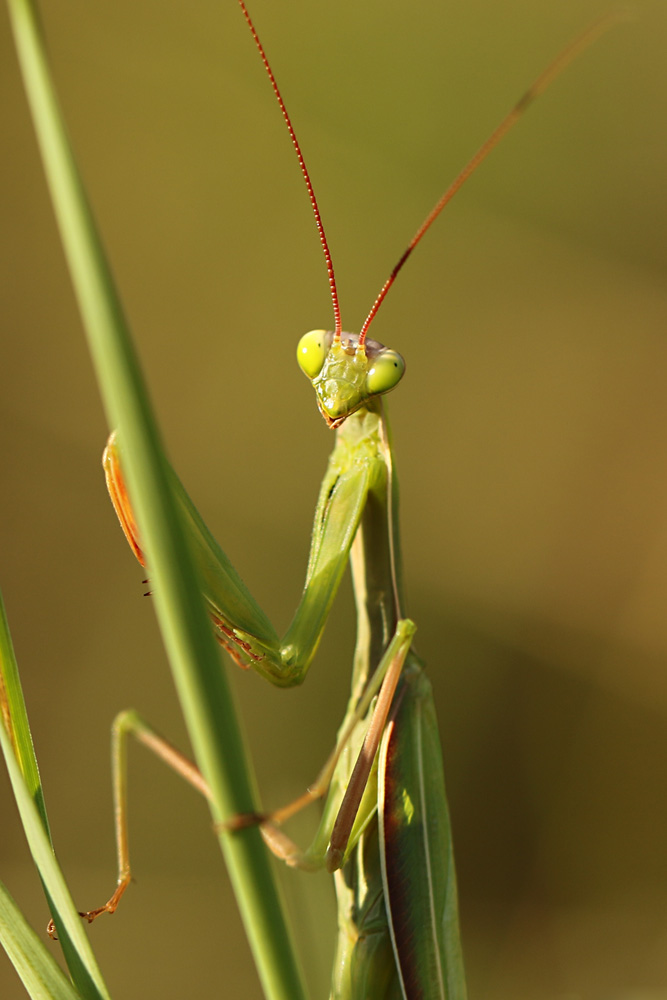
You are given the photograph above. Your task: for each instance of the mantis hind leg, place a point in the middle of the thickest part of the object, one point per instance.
(128, 723)
(341, 823)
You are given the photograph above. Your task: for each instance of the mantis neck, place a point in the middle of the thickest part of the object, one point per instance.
(375, 552)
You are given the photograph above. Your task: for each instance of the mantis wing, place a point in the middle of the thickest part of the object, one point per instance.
(416, 847)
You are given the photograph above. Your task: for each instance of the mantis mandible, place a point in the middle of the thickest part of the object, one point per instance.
(385, 829)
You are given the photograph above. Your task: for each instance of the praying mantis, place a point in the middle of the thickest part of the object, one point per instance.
(385, 828)
(468, 339)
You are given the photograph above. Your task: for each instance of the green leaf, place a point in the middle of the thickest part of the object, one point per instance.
(16, 716)
(22, 765)
(79, 955)
(40, 973)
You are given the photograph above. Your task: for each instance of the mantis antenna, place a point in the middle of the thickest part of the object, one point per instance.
(554, 69)
(306, 176)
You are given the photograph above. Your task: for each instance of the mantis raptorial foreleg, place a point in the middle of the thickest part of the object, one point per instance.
(356, 467)
(333, 842)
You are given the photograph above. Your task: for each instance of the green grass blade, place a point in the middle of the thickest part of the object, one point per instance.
(80, 958)
(40, 973)
(22, 764)
(16, 717)
(192, 650)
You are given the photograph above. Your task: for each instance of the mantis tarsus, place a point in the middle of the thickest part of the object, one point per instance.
(385, 828)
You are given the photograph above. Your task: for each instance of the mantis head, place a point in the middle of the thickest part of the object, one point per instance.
(346, 372)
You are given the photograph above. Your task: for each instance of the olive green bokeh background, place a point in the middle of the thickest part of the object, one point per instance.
(530, 432)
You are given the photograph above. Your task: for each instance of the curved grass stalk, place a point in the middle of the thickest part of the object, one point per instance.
(27, 951)
(192, 650)
(39, 972)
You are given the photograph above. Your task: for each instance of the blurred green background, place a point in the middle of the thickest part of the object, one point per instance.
(530, 432)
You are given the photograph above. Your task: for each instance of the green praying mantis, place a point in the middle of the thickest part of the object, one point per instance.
(385, 829)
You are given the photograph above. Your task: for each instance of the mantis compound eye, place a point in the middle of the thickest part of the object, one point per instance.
(386, 371)
(311, 351)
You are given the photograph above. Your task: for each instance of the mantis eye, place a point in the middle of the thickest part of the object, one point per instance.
(311, 352)
(386, 372)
